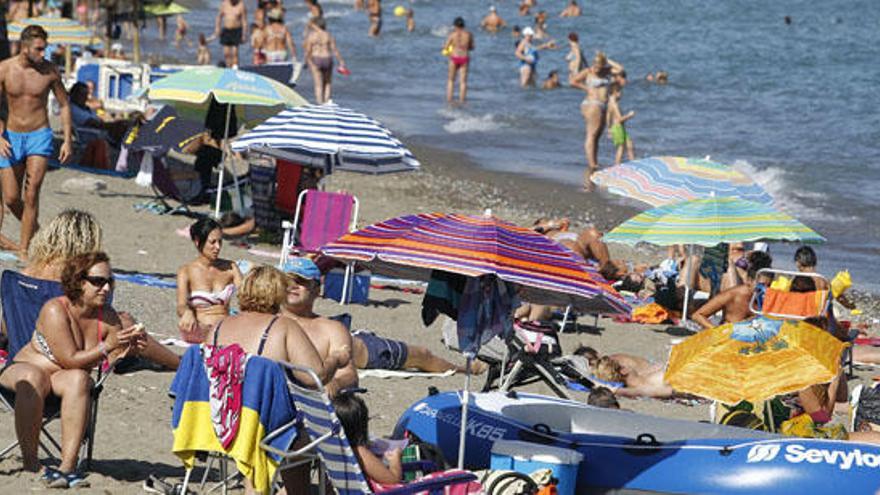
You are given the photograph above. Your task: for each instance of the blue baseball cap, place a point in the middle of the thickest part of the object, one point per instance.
(303, 268)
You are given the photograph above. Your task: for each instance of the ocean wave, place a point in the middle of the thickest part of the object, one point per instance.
(462, 122)
(787, 196)
(334, 14)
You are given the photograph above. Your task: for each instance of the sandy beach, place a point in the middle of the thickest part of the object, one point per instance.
(133, 437)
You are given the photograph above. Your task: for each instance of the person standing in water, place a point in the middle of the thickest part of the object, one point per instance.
(527, 53)
(616, 129)
(374, 10)
(571, 10)
(26, 142)
(461, 42)
(575, 56)
(596, 81)
(278, 44)
(231, 27)
(320, 48)
(492, 22)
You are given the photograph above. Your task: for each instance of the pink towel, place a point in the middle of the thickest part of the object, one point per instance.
(225, 367)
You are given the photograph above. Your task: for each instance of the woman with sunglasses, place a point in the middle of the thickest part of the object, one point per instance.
(205, 286)
(74, 333)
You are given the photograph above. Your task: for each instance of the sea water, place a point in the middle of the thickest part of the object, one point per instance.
(796, 106)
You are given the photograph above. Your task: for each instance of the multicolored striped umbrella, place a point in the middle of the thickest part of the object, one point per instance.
(414, 245)
(61, 30)
(668, 179)
(311, 133)
(709, 222)
(233, 86)
(753, 360)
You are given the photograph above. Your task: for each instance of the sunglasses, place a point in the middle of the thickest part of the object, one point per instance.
(99, 282)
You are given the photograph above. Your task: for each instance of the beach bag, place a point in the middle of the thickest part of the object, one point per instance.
(868, 408)
(804, 427)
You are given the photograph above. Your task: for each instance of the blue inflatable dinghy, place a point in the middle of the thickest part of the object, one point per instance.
(626, 452)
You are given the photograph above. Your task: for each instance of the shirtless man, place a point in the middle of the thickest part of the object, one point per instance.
(278, 43)
(368, 351)
(571, 10)
(734, 302)
(232, 18)
(26, 142)
(374, 10)
(492, 22)
(326, 335)
(462, 42)
(320, 48)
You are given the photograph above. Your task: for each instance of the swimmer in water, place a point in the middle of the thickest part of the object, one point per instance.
(552, 81)
(462, 42)
(492, 22)
(571, 10)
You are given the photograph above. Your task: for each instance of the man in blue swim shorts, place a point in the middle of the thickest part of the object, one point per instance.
(26, 142)
(368, 350)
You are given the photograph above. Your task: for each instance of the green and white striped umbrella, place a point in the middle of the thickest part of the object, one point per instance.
(61, 30)
(709, 222)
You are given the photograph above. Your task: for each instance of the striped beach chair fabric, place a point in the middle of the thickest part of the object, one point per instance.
(340, 464)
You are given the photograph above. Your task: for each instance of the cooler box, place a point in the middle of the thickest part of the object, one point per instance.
(359, 289)
(525, 457)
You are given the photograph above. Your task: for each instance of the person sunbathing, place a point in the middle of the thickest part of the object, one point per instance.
(74, 333)
(629, 363)
(734, 302)
(205, 286)
(368, 350)
(586, 243)
(650, 384)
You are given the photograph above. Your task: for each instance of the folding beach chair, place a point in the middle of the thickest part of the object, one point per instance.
(22, 299)
(166, 189)
(339, 463)
(321, 217)
(265, 406)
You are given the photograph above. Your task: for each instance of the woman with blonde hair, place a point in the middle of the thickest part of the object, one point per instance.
(71, 233)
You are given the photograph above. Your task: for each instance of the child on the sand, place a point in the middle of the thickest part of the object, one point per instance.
(616, 130)
(354, 416)
(203, 57)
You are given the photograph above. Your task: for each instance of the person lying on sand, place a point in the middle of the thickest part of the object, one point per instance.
(368, 351)
(641, 377)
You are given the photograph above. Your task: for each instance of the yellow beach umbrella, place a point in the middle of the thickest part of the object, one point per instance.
(754, 360)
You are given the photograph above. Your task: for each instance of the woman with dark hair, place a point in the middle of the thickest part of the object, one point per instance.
(205, 285)
(74, 333)
(320, 49)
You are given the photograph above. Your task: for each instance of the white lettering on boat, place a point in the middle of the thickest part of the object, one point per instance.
(796, 454)
(475, 428)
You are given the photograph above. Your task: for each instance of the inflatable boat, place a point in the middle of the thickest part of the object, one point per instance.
(626, 452)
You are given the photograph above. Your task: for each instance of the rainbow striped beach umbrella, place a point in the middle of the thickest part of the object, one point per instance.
(61, 30)
(232, 86)
(414, 245)
(709, 222)
(668, 179)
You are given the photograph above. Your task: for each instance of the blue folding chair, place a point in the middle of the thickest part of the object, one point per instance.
(328, 440)
(22, 298)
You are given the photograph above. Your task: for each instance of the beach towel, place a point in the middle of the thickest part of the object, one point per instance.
(225, 367)
(404, 374)
(442, 296)
(145, 280)
(287, 178)
(484, 311)
(266, 405)
(794, 303)
(650, 314)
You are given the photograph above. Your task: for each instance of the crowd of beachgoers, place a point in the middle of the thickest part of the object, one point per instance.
(76, 328)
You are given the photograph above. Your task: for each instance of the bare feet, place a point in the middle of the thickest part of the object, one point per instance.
(477, 367)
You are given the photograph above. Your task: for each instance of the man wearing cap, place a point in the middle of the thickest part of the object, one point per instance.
(326, 335)
(368, 351)
(492, 22)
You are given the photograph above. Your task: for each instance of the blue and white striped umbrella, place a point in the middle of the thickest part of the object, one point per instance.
(318, 135)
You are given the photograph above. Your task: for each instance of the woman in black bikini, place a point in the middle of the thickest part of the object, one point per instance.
(73, 334)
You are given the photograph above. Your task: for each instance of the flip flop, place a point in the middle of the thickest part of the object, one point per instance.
(50, 476)
(155, 485)
(74, 480)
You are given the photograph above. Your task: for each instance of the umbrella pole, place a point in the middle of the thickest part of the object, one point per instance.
(68, 60)
(687, 284)
(222, 162)
(464, 410)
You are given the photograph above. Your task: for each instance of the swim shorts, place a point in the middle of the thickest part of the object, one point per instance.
(618, 135)
(25, 144)
(382, 353)
(230, 37)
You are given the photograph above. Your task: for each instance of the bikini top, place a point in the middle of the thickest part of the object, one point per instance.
(262, 337)
(565, 236)
(42, 345)
(205, 299)
(598, 82)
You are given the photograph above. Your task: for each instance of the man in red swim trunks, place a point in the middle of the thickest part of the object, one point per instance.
(461, 42)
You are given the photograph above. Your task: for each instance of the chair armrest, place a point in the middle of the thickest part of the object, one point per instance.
(432, 483)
